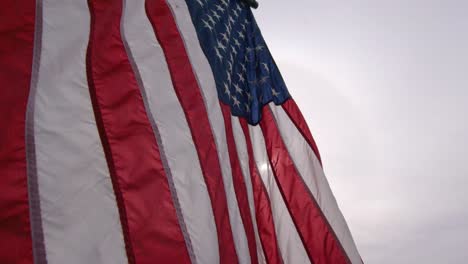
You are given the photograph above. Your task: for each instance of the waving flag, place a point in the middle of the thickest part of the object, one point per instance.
(154, 131)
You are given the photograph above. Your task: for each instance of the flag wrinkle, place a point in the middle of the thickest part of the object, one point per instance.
(39, 252)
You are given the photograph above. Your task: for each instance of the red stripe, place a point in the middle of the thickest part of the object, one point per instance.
(318, 238)
(17, 19)
(149, 220)
(188, 93)
(292, 110)
(239, 185)
(263, 215)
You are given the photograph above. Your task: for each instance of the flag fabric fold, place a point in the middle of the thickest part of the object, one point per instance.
(155, 131)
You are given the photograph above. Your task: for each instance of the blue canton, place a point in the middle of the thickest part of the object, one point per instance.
(246, 75)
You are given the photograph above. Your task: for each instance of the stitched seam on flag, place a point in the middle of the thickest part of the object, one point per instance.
(37, 234)
(156, 133)
(310, 140)
(105, 141)
(330, 229)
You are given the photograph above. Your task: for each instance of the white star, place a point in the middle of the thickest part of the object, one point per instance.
(221, 46)
(236, 102)
(225, 37)
(249, 49)
(230, 66)
(247, 107)
(241, 77)
(220, 8)
(263, 79)
(265, 65)
(225, 3)
(246, 21)
(210, 18)
(238, 89)
(234, 51)
(275, 93)
(238, 8)
(218, 54)
(249, 96)
(231, 19)
(259, 48)
(228, 76)
(228, 29)
(241, 35)
(201, 3)
(226, 89)
(237, 43)
(235, 13)
(207, 25)
(243, 27)
(215, 14)
(244, 69)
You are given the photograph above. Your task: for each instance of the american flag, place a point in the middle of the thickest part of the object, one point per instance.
(246, 76)
(154, 131)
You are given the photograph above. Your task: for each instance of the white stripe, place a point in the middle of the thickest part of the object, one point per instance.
(79, 212)
(241, 147)
(206, 81)
(311, 171)
(290, 244)
(179, 148)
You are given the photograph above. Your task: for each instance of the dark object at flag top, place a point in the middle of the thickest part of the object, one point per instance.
(251, 3)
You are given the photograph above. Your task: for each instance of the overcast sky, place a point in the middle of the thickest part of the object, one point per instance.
(384, 87)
